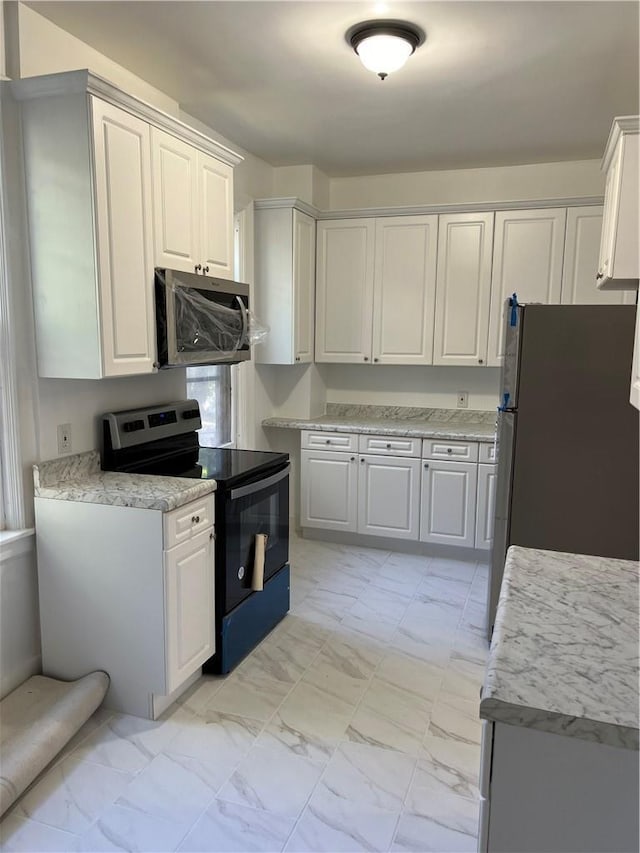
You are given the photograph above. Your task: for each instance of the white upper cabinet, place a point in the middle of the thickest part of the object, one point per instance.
(193, 208)
(528, 250)
(114, 187)
(404, 289)
(285, 253)
(375, 290)
(175, 202)
(584, 227)
(215, 210)
(88, 185)
(619, 262)
(344, 290)
(463, 288)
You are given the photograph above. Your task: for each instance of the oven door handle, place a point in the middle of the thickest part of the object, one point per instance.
(259, 485)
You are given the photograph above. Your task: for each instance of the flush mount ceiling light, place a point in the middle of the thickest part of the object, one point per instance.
(384, 46)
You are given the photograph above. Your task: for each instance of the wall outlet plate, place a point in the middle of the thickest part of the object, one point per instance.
(463, 399)
(64, 438)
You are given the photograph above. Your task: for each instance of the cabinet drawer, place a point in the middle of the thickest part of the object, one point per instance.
(347, 441)
(387, 445)
(461, 451)
(487, 453)
(188, 520)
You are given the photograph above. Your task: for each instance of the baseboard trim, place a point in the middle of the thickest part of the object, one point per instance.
(403, 546)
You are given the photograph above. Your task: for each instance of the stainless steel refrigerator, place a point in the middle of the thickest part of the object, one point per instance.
(567, 435)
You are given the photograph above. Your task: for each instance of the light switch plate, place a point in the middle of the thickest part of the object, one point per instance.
(64, 438)
(463, 399)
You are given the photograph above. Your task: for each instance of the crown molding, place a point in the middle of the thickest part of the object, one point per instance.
(621, 125)
(293, 202)
(85, 81)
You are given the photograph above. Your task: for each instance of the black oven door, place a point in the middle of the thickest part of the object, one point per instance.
(260, 507)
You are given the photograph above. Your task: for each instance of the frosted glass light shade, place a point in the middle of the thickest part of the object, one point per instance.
(383, 53)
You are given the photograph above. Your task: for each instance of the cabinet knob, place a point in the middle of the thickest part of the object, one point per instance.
(376, 359)
(297, 358)
(195, 519)
(481, 361)
(366, 358)
(388, 446)
(426, 464)
(599, 276)
(212, 536)
(205, 269)
(449, 450)
(198, 267)
(328, 441)
(353, 458)
(361, 461)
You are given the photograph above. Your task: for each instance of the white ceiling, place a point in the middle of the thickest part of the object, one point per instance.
(496, 83)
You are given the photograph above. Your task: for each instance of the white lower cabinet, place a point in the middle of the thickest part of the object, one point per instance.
(189, 612)
(378, 485)
(329, 482)
(389, 497)
(118, 593)
(485, 502)
(448, 503)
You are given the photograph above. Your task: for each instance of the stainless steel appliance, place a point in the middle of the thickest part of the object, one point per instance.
(200, 319)
(567, 435)
(251, 515)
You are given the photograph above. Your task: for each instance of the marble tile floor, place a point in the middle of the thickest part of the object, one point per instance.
(352, 726)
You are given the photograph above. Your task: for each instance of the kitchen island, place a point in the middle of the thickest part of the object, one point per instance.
(559, 767)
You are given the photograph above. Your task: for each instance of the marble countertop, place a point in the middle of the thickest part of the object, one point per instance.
(404, 421)
(79, 478)
(564, 654)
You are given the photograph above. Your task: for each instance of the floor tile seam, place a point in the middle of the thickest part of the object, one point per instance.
(26, 819)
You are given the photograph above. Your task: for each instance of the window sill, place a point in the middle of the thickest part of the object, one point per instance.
(14, 542)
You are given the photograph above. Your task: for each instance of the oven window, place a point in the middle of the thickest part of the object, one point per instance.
(211, 387)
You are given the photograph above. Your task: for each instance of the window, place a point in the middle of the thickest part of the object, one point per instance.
(211, 387)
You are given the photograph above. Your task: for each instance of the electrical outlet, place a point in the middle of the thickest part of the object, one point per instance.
(64, 438)
(463, 399)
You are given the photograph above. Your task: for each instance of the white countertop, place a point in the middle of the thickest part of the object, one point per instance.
(452, 424)
(564, 654)
(79, 478)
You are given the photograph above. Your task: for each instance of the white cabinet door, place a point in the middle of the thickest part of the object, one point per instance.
(619, 265)
(175, 202)
(389, 497)
(404, 289)
(527, 260)
(448, 503)
(123, 210)
(328, 489)
(304, 276)
(584, 227)
(189, 610)
(215, 212)
(485, 505)
(635, 370)
(344, 290)
(463, 288)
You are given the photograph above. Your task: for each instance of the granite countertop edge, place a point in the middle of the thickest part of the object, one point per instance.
(409, 429)
(584, 728)
(516, 693)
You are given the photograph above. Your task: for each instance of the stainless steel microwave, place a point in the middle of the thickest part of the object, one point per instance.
(200, 319)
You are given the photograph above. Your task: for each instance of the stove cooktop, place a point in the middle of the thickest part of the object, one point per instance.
(232, 467)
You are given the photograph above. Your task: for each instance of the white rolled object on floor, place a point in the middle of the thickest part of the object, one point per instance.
(260, 549)
(38, 718)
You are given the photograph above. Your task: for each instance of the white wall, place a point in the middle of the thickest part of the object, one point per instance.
(307, 183)
(19, 618)
(508, 183)
(391, 385)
